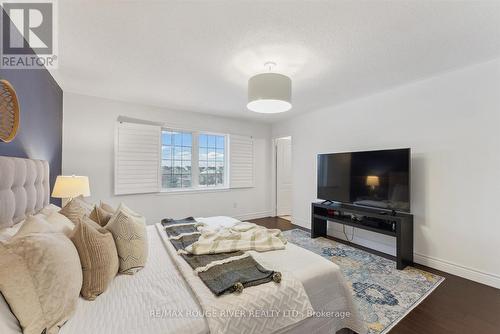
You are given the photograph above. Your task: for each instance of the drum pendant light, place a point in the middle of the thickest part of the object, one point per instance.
(269, 93)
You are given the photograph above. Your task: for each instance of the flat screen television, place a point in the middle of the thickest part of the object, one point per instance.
(378, 179)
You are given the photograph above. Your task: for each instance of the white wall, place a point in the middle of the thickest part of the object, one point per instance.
(452, 124)
(88, 146)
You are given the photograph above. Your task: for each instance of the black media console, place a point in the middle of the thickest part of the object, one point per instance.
(394, 224)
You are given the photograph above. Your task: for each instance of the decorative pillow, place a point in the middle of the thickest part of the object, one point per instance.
(76, 209)
(8, 321)
(100, 216)
(40, 277)
(129, 231)
(9, 232)
(35, 224)
(61, 223)
(47, 210)
(107, 207)
(98, 257)
(136, 216)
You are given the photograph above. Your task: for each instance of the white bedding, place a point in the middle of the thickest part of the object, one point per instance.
(140, 303)
(245, 312)
(325, 286)
(322, 280)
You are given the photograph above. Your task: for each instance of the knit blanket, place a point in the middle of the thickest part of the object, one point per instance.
(242, 313)
(242, 236)
(222, 272)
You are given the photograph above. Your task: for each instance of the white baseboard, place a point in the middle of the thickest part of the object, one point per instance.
(301, 222)
(254, 215)
(458, 270)
(475, 275)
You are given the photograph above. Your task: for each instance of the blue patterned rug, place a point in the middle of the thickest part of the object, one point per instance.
(384, 294)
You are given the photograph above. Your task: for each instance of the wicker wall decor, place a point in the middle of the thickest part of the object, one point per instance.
(9, 112)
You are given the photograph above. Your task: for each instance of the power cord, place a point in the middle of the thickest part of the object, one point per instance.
(345, 233)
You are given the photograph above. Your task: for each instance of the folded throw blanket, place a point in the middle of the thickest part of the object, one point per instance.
(224, 272)
(242, 236)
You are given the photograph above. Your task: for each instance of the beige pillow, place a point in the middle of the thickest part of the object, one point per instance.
(100, 216)
(47, 210)
(107, 207)
(61, 223)
(35, 224)
(40, 277)
(76, 209)
(129, 231)
(136, 216)
(98, 256)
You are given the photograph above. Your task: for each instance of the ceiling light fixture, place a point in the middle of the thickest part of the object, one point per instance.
(269, 93)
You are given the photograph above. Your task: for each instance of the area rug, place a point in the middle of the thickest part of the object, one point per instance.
(384, 294)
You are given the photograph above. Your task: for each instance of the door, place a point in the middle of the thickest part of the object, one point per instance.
(284, 176)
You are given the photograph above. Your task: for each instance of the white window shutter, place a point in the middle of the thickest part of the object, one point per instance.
(137, 158)
(241, 168)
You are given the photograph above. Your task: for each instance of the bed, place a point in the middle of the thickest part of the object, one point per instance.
(159, 298)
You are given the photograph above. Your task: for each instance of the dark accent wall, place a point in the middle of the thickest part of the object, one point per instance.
(40, 129)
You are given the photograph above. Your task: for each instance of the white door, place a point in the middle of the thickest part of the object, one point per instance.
(284, 177)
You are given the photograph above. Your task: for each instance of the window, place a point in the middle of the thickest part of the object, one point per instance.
(176, 164)
(193, 160)
(149, 159)
(211, 160)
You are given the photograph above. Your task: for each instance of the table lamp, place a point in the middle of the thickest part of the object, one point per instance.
(372, 181)
(69, 187)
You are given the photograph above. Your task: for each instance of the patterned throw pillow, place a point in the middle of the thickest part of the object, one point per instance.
(76, 209)
(129, 231)
(100, 216)
(98, 257)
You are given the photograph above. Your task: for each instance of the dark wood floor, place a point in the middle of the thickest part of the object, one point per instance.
(456, 306)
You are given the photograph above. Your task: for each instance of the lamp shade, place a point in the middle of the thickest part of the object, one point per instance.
(71, 186)
(372, 181)
(269, 93)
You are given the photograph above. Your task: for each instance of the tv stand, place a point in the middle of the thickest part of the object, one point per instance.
(389, 222)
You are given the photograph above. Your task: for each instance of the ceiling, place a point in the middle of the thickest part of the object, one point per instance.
(198, 55)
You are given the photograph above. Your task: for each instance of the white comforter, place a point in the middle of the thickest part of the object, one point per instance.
(322, 280)
(157, 299)
(262, 309)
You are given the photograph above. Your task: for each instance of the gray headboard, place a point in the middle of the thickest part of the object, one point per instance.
(24, 188)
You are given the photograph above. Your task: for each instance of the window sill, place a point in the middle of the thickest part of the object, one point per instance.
(192, 191)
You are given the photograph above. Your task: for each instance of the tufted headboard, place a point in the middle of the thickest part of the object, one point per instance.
(24, 188)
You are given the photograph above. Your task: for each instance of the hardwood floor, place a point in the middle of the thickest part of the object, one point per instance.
(457, 306)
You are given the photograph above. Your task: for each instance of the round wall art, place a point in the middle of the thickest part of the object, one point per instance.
(9, 111)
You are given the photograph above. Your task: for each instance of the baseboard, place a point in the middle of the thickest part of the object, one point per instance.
(254, 215)
(300, 222)
(475, 275)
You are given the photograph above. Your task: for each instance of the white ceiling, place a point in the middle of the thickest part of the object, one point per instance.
(198, 55)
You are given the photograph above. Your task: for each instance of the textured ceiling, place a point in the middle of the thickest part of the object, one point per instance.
(198, 55)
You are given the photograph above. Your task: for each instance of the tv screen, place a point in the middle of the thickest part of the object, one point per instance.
(378, 179)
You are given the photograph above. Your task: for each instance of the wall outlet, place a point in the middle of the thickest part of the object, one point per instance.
(235, 205)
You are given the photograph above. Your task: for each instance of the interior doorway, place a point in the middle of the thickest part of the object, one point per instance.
(284, 178)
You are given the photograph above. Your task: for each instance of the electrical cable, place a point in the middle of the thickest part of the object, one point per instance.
(345, 233)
